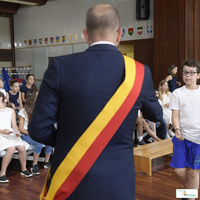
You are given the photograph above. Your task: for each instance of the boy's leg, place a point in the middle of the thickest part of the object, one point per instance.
(6, 160)
(182, 174)
(193, 181)
(179, 160)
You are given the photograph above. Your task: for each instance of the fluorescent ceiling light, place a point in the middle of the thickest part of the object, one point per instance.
(21, 2)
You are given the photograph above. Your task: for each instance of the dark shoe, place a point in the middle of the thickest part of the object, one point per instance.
(47, 165)
(26, 173)
(35, 170)
(142, 142)
(3, 179)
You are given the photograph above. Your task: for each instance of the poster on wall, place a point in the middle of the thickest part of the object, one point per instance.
(140, 30)
(51, 39)
(69, 37)
(76, 36)
(46, 40)
(57, 39)
(63, 38)
(130, 31)
(40, 40)
(35, 41)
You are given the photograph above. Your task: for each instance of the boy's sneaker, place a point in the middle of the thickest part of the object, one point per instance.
(35, 170)
(142, 142)
(47, 165)
(3, 179)
(26, 173)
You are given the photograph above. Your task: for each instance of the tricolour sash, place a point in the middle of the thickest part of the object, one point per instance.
(89, 146)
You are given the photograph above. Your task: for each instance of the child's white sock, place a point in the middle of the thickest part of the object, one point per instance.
(140, 138)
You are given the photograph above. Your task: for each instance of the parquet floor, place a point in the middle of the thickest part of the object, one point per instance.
(161, 186)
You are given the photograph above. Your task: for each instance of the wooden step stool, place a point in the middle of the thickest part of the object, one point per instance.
(144, 154)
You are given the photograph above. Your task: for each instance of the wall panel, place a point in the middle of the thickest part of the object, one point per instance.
(176, 34)
(166, 37)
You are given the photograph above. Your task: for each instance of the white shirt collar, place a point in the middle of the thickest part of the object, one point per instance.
(102, 42)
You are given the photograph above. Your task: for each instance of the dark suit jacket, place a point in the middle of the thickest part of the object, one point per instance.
(74, 90)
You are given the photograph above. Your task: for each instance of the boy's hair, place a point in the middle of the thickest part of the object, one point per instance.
(12, 82)
(192, 63)
(29, 75)
(170, 70)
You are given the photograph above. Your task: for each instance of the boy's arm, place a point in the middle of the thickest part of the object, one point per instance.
(175, 122)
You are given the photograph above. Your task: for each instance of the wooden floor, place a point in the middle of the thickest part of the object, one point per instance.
(161, 185)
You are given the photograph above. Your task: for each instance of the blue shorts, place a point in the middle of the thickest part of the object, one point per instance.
(185, 154)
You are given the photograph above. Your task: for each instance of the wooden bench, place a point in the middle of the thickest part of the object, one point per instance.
(143, 155)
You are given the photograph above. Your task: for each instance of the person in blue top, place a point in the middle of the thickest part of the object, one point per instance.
(14, 95)
(30, 79)
(171, 78)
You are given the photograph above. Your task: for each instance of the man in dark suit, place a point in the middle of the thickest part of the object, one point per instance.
(89, 96)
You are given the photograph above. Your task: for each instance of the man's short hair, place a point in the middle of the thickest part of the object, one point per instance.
(101, 20)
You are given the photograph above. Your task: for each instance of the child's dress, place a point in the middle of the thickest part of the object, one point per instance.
(10, 140)
(167, 113)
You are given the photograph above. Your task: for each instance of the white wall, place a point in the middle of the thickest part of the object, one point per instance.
(61, 18)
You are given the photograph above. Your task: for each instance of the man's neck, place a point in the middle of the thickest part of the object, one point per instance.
(102, 42)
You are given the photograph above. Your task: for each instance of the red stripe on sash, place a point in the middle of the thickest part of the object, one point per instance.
(102, 140)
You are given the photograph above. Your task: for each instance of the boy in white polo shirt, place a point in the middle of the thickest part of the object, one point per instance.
(185, 106)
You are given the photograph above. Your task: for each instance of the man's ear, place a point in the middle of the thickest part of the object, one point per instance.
(86, 35)
(119, 33)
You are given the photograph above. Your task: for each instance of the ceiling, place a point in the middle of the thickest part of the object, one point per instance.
(12, 6)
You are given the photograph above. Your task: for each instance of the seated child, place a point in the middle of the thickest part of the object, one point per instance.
(14, 96)
(10, 140)
(149, 126)
(163, 121)
(25, 115)
(30, 79)
(164, 100)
